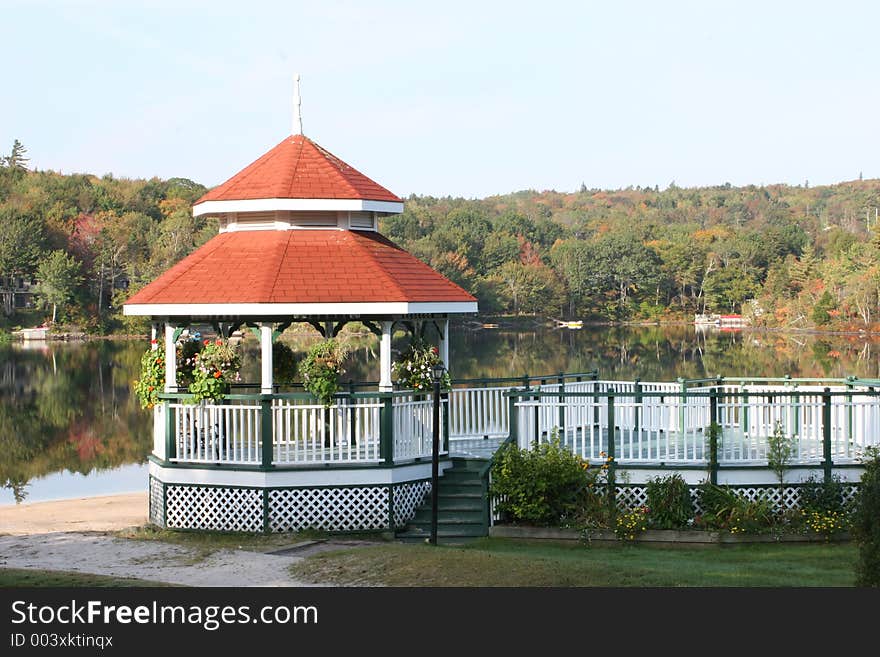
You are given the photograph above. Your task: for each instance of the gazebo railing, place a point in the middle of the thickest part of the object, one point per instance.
(357, 429)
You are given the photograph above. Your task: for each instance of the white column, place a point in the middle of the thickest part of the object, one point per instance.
(385, 384)
(154, 336)
(170, 359)
(443, 348)
(266, 359)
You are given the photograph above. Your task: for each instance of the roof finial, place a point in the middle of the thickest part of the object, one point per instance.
(297, 108)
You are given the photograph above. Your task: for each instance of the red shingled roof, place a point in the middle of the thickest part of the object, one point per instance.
(299, 168)
(299, 266)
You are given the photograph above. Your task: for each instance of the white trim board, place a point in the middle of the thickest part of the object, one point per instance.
(296, 204)
(194, 475)
(209, 310)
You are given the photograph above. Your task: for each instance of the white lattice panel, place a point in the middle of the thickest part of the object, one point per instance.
(328, 509)
(214, 508)
(849, 493)
(630, 497)
(407, 497)
(157, 506)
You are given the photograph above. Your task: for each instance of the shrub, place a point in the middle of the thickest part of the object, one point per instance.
(724, 510)
(540, 486)
(669, 502)
(780, 451)
(821, 496)
(866, 522)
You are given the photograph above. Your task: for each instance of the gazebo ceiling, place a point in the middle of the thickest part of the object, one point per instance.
(300, 273)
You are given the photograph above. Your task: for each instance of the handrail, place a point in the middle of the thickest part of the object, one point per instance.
(698, 393)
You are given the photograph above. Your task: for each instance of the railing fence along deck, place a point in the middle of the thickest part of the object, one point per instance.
(669, 424)
(831, 420)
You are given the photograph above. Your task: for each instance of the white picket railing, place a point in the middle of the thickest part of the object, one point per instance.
(306, 432)
(478, 413)
(673, 427)
(413, 427)
(217, 433)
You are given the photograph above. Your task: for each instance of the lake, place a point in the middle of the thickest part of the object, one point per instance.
(70, 427)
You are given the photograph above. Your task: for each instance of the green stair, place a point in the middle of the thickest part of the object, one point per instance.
(463, 506)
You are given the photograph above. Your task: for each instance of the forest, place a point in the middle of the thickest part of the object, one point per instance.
(782, 255)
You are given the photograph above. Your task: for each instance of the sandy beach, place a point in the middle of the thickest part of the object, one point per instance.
(105, 513)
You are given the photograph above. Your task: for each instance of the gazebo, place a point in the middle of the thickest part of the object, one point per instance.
(298, 242)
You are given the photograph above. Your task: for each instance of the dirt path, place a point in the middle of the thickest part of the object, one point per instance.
(73, 535)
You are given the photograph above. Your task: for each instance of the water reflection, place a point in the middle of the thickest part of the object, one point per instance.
(67, 407)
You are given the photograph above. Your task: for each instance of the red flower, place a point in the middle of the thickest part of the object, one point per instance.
(154, 341)
(158, 361)
(218, 342)
(217, 374)
(434, 350)
(207, 342)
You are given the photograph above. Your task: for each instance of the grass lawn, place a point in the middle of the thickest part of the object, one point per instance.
(25, 577)
(506, 562)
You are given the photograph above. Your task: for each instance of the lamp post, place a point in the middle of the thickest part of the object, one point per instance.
(437, 373)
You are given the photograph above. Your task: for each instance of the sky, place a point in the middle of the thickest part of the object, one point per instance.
(450, 98)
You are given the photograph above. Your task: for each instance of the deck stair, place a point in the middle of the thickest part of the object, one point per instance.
(463, 506)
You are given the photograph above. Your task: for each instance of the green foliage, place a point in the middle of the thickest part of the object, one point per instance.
(815, 494)
(321, 368)
(152, 379)
(58, 276)
(215, 369)
(866, 522)
(821, 311)
(669, 502)
(780, 451)
(283, 364)
(414, 369)
(724, 510)
(540, 486)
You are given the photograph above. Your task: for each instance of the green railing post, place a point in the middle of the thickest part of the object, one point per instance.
(266, 438)
(170, 431)
(386, 430)
(610, 452)
(826, 435)
(713, 436)
(512, 421)
(561, 398)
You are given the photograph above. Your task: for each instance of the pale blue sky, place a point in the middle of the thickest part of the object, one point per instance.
(450, 98)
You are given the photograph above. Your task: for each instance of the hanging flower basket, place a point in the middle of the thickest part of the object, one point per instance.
(414, 369)
(215, 369)
(152, 379)
(321, 369)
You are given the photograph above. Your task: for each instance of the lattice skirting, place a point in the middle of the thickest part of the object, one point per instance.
(633, 496)
(237, 509)
(407, 497)
(157, 502)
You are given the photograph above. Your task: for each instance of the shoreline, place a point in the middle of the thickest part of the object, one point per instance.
(99, 513)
